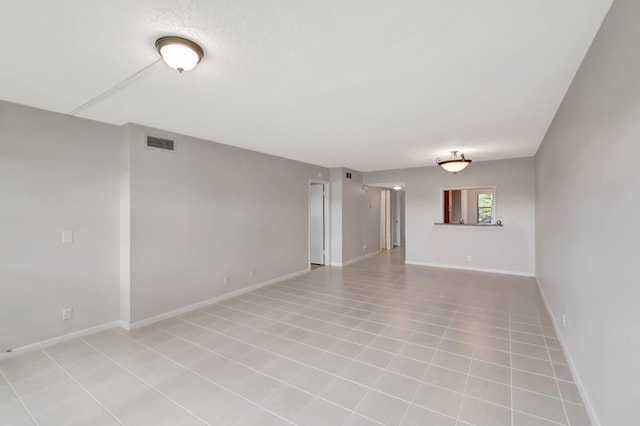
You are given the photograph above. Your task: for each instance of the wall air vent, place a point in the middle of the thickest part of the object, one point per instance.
(159, 143)
(348, 175)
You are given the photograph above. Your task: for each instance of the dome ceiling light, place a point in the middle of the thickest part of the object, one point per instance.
(179, 53)
(455, 163)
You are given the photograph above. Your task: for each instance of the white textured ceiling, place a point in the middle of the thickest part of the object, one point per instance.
(367, 84)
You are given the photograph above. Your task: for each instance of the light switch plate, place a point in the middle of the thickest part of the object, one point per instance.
(67, 237)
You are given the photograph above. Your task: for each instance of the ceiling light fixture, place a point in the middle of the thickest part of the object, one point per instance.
(179, 53)
(455, 163)
(397, 187)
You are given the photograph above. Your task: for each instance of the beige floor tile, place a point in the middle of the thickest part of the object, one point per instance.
(451, 361)
(563, 372)
(344, 393)
(11, 409)
(361, 373)
(569, 392)
(445, 378)
(535, 383)
(577, 415)
(481, 413)
(456, 347)
(419, 416)
(494, 356)
(397, 385)
(258, 416)
(375, 357)
(358, 420)
(488, 391)
(321, 413)
(539, 405)
(311, 380)
(435, 398)
(532, 365)
(532, 351)
(382, 408)
(287, 402)
(494, 372)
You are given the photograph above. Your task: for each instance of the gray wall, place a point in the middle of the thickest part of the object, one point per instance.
(154, 231)
(56, 173)
(505, 249)
(586, 228)
(208, 210)
(355, 218)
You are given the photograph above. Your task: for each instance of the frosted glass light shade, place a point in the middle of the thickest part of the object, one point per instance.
(179, 53)
(455, 163)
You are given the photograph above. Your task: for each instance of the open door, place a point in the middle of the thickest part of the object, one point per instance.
(397, 218)
(385, 219)
(316, 223)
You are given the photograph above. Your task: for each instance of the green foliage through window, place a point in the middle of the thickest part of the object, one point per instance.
(485, 207)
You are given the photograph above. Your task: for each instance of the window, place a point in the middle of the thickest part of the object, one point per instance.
(485, 208)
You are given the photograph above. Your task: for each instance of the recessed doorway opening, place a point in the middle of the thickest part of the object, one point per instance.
(318, 224)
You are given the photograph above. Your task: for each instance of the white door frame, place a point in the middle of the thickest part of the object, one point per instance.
(385, 219)
(327, 220)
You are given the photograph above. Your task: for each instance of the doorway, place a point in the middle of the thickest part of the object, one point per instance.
(385, 219)
(318, 224)
(397, 218)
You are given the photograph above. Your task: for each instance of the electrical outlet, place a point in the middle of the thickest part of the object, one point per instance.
(252, 273)
(564, 319)
(67, 313)
(227, 279)
(469, 258)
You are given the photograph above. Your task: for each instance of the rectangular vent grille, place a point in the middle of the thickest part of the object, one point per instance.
(348, 175)
(159, 143)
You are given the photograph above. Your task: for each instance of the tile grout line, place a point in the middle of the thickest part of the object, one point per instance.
(500, 365)
(511, 371)
(564, 407)
(296, 361)
(392, 316)
(466, 381)
(167, 397)
(367, 346)
(251, 368)
(312, 291)
(328, 351)
(436, 299)
(26, 409)
(82, 387)
(508, 330)
(144, 345)
(423, 375)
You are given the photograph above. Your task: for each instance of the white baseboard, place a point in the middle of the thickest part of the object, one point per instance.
(574, 371)
(349, 262)
(132, 326)
(198, 305)
(43, 344)
(469, 268)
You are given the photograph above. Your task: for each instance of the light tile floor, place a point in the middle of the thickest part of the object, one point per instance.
(377, 342)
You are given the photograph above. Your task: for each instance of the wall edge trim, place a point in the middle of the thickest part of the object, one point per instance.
(349, 262)
(574, 371)
(197, 305)
(43, 344)
(467, 268)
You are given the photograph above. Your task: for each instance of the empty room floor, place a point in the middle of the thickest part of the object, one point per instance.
(377, 342)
